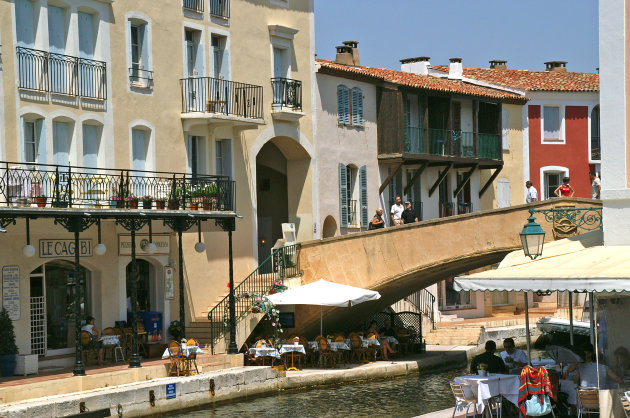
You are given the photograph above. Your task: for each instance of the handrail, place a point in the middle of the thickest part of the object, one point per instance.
(424, 302)
(220, 96)
(452, 143)
(282, 263)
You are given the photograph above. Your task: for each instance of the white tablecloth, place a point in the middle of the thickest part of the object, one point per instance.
(570, 388)
(185, 351)
(546, 362)
(264, 352)
(287, 348)
(367, 341)
(334, 345)
(391, 340)
(485, 387)
(110, 339)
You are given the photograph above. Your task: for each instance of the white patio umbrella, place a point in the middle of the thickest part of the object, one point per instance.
(324, 293)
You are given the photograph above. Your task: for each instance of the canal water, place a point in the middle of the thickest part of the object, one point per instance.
(403, 397)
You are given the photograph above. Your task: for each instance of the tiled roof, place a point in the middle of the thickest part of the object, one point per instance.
(425, 82)
(533, 80)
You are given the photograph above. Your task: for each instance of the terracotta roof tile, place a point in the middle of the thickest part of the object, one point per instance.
(533, 80)
(425, 82)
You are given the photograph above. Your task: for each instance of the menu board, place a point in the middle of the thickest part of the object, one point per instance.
(11, 291)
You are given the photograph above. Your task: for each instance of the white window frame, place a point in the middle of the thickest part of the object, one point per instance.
(562, 137)
(149, 129)
(137, 19)
(34, 142)
(226, 48)
(564, 172)
(231, 156)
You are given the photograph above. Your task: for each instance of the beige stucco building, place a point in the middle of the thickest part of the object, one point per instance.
(195, 87)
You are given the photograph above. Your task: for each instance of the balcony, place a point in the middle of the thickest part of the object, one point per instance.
(141, 78)
(220, 8)
(596, 153)
(58, 74)
(287, 99)
(194, 5)
(443, 142)
(222, 101)
(30, 184)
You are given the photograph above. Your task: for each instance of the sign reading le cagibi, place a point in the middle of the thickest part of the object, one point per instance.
(59, 248)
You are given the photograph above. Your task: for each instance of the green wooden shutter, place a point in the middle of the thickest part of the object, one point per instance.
(343, 105)
(343, 196)
(357, 107)
(364, 196)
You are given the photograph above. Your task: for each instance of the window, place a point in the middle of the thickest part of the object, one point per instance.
(91, 145)
(30, 142)
(349, 106)
(140, 73)
(196, 151)
(223, 157)
(220, 8)
(352, 200)
(551, 121)
(139, 150)
(552, 181)
(61, 143)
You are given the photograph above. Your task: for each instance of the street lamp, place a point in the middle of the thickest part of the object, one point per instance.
(532, 237)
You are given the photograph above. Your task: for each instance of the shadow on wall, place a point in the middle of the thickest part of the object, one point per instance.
(330, 227)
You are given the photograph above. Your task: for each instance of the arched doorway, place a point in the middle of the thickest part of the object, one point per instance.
(52, 292)
(283, 191)
(330, 227)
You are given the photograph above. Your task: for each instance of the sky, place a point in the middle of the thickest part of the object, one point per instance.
(526, 33)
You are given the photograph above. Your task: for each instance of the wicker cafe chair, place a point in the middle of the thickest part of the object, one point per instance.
(588, 401)
(190, 360)
(359, 352)
(88, 346)
(374, 351)
(326, 355)
(176, 366)
(625, 405)
(463, 401)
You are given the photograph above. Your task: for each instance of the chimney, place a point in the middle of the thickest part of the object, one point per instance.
(559, 66)
(418, 65)
(348, 54)
(455, 71)
(498, 65)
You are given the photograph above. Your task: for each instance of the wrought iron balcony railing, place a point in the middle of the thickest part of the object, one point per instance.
(141, 77)
(452, 143)
(287, 93)
(220, 8)
(26, 184)
(352, 213)
(61, 74)
(215, 95)
(194, 5)
(596, 153)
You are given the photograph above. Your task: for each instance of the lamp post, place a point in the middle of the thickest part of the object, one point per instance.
(532, 237)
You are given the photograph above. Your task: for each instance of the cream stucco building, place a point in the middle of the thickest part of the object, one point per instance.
(194, 87)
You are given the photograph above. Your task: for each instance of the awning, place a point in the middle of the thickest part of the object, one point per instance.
(574, 264)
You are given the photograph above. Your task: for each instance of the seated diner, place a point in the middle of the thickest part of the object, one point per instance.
(493, 363)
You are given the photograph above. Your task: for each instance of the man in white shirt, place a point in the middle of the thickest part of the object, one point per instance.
(596, 185)
(532, 194)
(396, 212)
(512, 356)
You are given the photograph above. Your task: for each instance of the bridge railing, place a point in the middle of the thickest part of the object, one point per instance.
(283, 263)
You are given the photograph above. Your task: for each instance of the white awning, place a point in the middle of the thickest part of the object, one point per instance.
(574, 264)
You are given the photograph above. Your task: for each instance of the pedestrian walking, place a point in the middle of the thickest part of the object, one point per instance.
(596, 185)
(532, 194)
(408, 216)
(396, 212)
(565, 189)
(377, 221)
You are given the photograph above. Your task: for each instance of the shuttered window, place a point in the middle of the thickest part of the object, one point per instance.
(343, 196)
(343, 105)
(551, 121)
(364, 196)
(357, 107)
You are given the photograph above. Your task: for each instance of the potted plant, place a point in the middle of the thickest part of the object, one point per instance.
(41, 200)
(147, 202)
(160, 202)
(175, 330)
(8, 349)
(117, 202)
(132, 201)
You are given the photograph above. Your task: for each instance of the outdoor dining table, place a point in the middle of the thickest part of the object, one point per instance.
(292, 348)
(369, 341)
(486, 387)
(264, 352)
(185, 350)
(110, 339)
(334, 345)
(569, 387)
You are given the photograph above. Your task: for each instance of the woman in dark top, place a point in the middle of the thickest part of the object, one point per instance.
(377, 220)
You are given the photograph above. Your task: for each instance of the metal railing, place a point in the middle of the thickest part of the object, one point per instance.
(452, 143)
(424, 302)
(59, 186)
(194, 5)
(286, 93)
(283, 263)
(140, 76)
(61, 74)
(446, 209)
(464, 207)
(220, 8)
(215, 95)
(596, 153)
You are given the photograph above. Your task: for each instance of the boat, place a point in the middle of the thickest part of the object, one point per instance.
(556, 325)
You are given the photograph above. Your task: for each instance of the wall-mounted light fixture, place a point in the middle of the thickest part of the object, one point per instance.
(100, 248)
(199, 246)
(28, 249)
(151, 248)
